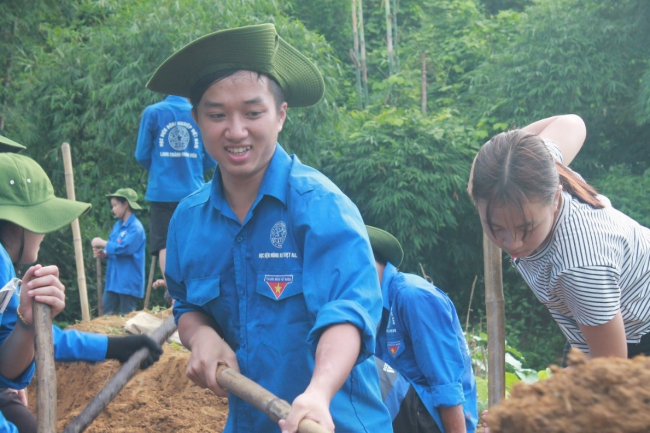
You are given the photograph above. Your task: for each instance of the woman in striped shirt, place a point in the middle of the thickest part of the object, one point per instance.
(586, 261)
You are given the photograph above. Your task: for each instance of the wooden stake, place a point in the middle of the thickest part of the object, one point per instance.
(45, 370)
(76, 235)
(494, 304)
(152, 270)
(261, 398)
(118, 381)
(100, 306)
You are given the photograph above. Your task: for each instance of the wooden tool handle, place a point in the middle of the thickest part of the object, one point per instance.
(45, 369)
(119, 380)
(261, 398)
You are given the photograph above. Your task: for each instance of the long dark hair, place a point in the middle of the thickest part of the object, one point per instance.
(516, 167)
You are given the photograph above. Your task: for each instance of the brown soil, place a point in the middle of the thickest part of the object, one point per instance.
(603, 395)
(159, 399)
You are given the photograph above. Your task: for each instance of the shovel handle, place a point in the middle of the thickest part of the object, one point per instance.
(261, 398)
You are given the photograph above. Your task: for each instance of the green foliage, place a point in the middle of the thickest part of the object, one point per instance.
(82, 81)
(407, 173)
(628, 192)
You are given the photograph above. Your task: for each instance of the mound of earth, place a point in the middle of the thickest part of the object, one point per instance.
(604, 395)
(159, 399)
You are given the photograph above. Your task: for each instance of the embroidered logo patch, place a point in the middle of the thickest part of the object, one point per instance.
(394, 347)
(278, 234)
(278, 283)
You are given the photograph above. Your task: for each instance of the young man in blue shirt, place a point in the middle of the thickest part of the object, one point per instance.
(170, 148)
(420, 337)
(124, 251)
(271, 254)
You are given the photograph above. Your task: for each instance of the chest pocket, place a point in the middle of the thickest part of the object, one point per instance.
(285, 321)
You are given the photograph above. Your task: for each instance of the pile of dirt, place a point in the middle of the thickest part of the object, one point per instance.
(603, 395)
(160, 399)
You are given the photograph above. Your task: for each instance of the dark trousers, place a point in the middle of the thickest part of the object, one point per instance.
(413, 416)
(116, 303)
(16, 412)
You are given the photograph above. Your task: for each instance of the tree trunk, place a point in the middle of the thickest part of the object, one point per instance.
(395, 36)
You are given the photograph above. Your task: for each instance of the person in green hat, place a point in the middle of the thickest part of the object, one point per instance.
(28, 210)
(271, 254)
(124, 250)
(420, 336)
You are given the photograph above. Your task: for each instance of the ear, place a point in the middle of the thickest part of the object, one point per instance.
(282, 115)
(558, 198)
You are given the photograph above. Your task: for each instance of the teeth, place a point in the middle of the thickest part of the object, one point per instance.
(238, 150)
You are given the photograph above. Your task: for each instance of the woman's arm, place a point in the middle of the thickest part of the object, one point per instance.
(608, 339)
(567, 131)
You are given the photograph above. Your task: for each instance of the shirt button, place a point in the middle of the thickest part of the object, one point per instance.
(239, 239)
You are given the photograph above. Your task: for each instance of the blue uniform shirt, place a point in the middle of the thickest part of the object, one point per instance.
(6, 426)
(170, 148)
(420, 336)
(300, 262)
(69, 345)
(125, 249)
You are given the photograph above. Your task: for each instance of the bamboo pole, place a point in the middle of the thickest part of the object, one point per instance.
(396, 55)
(45, 369)
(494, 304)
(76, 235)
(100, 305)
(389, 38)
(355, 54)
(152, 270)
(362, 58)
(249, 391)
(118, 381)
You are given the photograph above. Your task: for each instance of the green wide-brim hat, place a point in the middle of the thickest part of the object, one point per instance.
(253, 48)
(27, 198)
(7, 145)
(386, 245)
(126, 193)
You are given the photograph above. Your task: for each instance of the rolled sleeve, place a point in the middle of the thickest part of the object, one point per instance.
(339, 272)
(591, 304)
(447, 395)
(435, 343)
(345, 312)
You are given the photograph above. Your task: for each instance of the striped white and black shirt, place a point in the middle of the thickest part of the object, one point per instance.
(597, 262)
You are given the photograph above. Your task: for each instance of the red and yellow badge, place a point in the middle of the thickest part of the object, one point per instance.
(278, 283)
(393, 347)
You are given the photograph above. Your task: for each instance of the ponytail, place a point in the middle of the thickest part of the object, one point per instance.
(575, 185)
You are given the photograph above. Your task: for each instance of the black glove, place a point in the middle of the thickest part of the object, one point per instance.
(121, 348)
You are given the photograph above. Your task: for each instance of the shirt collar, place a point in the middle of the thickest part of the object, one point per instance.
(129, 220)
(174, 98)
(274, 183)
(389, 273)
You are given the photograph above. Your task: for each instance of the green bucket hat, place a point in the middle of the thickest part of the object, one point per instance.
(7, 145)
(27, 197)
(385, 245)
(253, 48)
(127, 193)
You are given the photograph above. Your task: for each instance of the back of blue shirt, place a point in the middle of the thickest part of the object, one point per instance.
(170, 147)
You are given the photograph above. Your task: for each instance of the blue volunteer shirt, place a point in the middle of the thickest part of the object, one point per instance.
(300, 262)
(126, 250)
(6, 426)
(170, 147)
(420, 336)
(69, 345)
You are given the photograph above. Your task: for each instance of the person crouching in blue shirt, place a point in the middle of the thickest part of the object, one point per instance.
(270, 253)
(28, 210)
(125, 253)
(420, 336)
